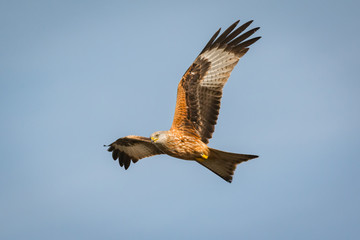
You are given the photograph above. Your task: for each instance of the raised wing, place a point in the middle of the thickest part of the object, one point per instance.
(132, 148)
(200, 89)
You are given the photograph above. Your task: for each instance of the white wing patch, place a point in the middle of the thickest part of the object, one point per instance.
(221, 64)
(136, 151)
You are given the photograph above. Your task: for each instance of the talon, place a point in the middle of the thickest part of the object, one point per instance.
(203, 157)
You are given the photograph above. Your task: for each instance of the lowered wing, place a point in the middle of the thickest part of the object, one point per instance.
(132, 148)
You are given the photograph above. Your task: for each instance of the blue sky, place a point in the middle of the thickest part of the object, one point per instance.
(75, 75)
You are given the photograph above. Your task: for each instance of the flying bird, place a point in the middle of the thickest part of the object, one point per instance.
(197, 108)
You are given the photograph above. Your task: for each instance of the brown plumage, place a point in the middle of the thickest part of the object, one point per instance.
(197, 108)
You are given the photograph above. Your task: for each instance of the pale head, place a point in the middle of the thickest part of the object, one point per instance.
(159, 137)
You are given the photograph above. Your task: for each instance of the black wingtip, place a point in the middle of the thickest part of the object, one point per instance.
(255, 29)
(246, 44)
(234, 24)
(231, 38)
(111, 148)
(211, 41)
(225, 34)
(115, 154)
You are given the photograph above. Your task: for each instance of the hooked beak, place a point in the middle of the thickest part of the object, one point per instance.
(153, 139)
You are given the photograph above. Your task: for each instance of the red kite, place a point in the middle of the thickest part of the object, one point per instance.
(197, 108)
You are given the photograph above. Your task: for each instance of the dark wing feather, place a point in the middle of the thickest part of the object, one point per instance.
(200, 89)
(132, 148)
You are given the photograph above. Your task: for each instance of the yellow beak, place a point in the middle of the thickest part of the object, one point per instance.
(154, 139)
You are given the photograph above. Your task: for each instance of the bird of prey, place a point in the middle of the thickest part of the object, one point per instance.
(197, 108)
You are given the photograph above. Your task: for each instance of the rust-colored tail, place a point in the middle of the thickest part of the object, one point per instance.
(224, 163)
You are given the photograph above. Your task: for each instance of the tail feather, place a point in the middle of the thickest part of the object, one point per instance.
(224, 163)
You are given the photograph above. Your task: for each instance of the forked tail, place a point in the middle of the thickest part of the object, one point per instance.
(224, 163)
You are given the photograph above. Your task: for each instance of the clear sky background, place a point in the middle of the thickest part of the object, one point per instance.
(75, 75)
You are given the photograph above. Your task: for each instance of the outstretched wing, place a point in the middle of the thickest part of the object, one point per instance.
(132, 148)
(200, 89)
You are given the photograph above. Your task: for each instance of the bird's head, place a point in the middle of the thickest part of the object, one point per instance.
(158, 137)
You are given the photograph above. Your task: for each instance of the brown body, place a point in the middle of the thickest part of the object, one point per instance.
(183, 146)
